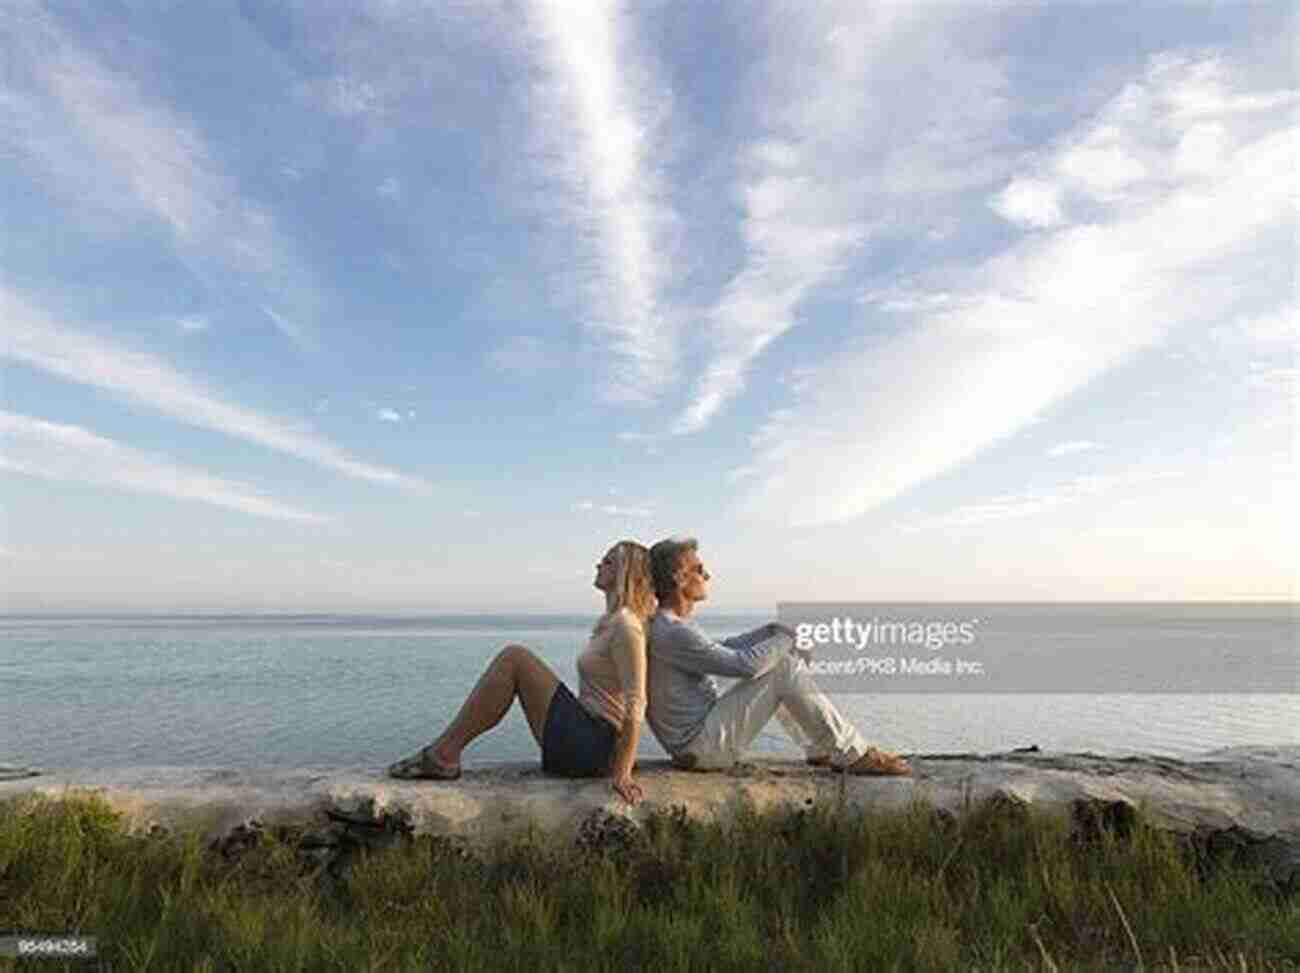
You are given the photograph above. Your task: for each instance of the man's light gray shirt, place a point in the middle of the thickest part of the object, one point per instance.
(683, 660)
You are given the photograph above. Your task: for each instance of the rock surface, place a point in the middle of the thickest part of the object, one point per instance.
(1241, 799)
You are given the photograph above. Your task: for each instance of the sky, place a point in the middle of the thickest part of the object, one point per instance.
(418, 307)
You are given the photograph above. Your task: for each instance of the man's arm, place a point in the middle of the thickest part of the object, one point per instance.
(795, 650)
(742, 656)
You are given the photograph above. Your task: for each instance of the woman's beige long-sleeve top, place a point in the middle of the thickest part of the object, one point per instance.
(612, 668)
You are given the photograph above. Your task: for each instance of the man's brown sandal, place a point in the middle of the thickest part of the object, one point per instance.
(878, 763)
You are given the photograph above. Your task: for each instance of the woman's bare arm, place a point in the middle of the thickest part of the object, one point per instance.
(628, 649)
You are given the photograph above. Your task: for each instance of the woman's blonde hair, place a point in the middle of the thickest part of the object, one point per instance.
(633, 585)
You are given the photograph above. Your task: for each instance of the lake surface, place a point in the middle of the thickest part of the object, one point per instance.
(268, 691)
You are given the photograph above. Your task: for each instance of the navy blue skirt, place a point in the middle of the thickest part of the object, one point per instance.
(575, 743)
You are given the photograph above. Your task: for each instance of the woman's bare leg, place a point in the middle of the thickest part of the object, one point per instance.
(514, 672)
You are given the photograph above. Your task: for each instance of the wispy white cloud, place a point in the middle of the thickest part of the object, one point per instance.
(105, 141)
(72, 454)
(617, 510)
(163, 160)
(382, 57)
(298, 335)
(1280, 327)
(898, 300)
(31, 338)
(1280, 378)
(341, 94)
(192, 323)
(1030, 503)
(523, 355)
(1032, 202)
(1157, 250)
(612, 509)
(846, 145)
(594, 161)
(596, 123)
(389, 415)
(1073, 446)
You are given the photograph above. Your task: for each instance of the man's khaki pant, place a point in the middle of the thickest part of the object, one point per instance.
(786, 692)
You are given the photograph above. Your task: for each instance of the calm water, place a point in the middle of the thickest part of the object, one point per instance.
(348, 691)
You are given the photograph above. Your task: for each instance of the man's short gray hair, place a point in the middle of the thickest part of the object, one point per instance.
(664, 558)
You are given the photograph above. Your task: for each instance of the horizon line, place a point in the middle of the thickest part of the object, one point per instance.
(470, 613)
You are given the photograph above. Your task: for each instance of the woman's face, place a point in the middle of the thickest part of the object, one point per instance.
(605, 570)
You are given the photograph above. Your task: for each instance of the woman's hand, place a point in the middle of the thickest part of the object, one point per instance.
(628, 789)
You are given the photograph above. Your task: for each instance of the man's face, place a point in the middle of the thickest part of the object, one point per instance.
(692, 578)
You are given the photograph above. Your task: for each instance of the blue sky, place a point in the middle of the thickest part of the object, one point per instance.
(418, 307)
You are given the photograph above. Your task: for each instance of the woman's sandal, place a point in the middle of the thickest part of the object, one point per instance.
(422, 766)
(877, 763)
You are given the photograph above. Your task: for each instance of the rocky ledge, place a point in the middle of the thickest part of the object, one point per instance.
(1240, 801)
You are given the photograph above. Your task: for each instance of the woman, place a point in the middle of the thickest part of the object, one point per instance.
(593, 736)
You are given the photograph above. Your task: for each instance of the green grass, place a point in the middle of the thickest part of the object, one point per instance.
(811, 890)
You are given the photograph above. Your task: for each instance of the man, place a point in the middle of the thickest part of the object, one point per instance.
(702, 729)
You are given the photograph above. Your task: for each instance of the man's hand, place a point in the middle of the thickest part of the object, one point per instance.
(804, 655)
(627, 788)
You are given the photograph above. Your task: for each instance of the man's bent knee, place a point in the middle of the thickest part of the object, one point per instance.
(788, 669)
(792, 677)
